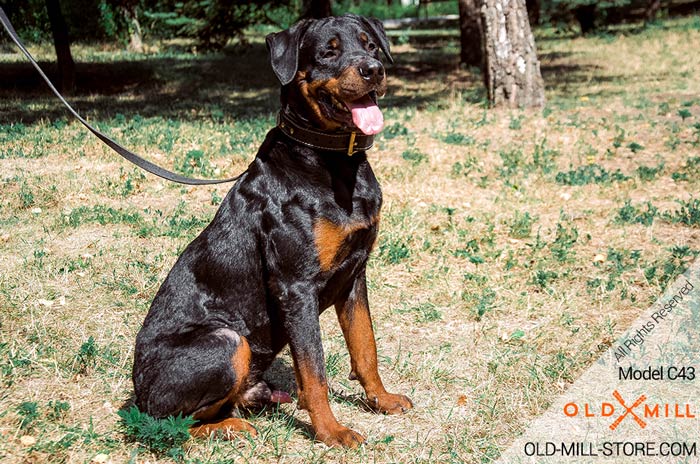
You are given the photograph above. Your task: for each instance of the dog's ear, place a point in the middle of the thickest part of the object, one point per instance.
(376, 28)
(284, 50)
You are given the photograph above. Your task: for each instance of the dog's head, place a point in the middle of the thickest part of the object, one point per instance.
(330, 71)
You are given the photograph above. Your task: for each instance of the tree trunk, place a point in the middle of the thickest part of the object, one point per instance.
(586, 16)
(533, 11)
(470, 32)
(651, 10)
(512, 70)
(59, 30)
(135, 33)
(316, 9)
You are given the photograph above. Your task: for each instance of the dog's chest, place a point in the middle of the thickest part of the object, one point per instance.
(336, 242)
(346, 231)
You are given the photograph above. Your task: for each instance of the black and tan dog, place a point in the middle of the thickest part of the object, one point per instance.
(290, 239)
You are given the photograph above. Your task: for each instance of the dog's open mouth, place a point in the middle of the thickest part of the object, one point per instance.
(362, 112)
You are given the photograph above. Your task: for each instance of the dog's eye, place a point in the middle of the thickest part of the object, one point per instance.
(371, 46)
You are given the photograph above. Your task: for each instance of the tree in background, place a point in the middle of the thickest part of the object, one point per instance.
(495, 34)
(512, 69)
(61, 40)
(316, 9)
(29, 18)
(652, 9)
(533, 11)
(129, 11)
(471, 52)
(212, 22)
(591, 15)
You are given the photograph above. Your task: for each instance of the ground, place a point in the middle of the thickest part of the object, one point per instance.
(515, 246)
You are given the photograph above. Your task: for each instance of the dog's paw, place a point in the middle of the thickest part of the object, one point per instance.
(341, 437)
(227, 429)
(389, 403)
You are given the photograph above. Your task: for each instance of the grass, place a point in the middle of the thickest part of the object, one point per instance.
(503, 234)
(161, 436)
(589, 174)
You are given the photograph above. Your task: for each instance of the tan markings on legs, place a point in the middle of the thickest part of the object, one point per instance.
(356, 324)
(359, 336)
(240, 361)
(227, 428)
(313, 396)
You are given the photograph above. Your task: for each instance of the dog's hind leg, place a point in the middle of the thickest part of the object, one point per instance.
(205, 375)
(229, 427)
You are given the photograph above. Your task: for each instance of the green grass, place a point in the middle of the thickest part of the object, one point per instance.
(589, 174)
(521, 226)
(629, 214)
(689, 172)
(414, 156)
(29, 412)
(649, 173)
(687, 214)
(502, 235)
(162, 436)
(455, 138)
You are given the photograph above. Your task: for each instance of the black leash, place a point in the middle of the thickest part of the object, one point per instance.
(127, 154)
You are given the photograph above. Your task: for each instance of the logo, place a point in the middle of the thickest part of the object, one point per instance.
(640, 410)
(629, 410)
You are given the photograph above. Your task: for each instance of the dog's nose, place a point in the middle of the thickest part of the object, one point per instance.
(371, 70)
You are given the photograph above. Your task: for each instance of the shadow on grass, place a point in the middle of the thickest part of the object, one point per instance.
(237, 83)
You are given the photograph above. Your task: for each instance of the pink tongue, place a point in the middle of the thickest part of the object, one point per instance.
(366, 115)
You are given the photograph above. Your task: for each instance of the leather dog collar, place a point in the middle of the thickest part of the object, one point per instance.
(347, 142)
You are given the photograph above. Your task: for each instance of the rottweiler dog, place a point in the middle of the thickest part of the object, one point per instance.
(290, 239)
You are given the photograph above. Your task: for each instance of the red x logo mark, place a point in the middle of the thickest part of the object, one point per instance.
(628, 410)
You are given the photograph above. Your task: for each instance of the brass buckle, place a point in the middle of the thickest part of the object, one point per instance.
(351, 145)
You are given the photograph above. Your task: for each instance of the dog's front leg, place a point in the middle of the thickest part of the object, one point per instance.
(356, 323)
(302, 326)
